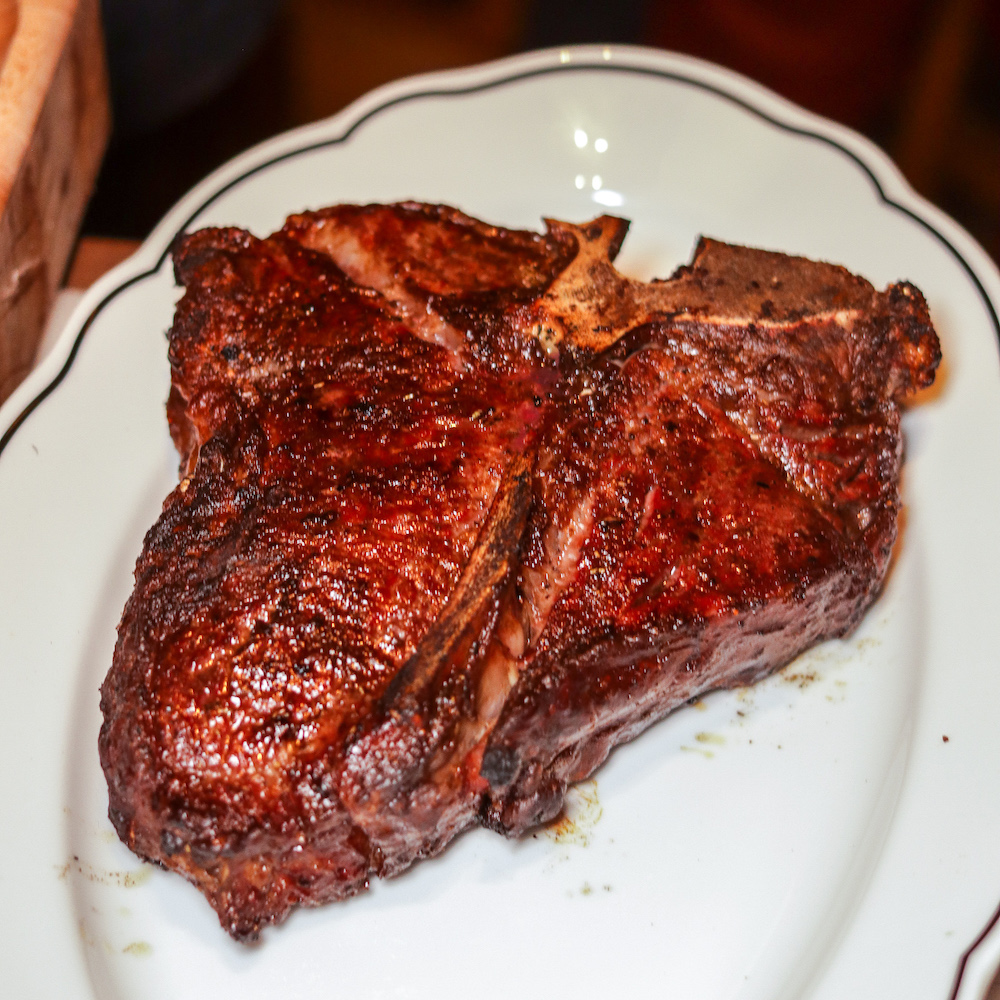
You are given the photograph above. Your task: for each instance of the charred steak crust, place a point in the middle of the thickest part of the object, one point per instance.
(461, 509)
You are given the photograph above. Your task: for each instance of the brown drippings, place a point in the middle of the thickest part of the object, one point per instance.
(122, 879)
(581, 813)
(801, 678)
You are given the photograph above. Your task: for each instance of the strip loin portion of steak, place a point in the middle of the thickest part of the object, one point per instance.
(461, 509)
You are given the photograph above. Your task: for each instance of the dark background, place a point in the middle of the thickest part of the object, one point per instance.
(196, 81)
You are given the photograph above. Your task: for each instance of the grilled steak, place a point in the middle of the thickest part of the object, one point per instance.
(461, 509)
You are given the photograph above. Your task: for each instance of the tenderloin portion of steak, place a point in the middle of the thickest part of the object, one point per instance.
(461, 509)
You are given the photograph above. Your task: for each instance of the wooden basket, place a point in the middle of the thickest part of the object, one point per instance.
(54, 124)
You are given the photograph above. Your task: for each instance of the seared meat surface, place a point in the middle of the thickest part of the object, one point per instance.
(461, 509)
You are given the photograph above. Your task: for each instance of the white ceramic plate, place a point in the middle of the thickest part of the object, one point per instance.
(831, 833)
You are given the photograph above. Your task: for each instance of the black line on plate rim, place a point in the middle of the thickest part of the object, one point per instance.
(6, 437)
(967, 954)
(675, 76)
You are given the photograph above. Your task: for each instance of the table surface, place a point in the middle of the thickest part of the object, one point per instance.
(95, 255)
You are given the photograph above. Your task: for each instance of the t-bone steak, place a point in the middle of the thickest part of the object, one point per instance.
(461, 508)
